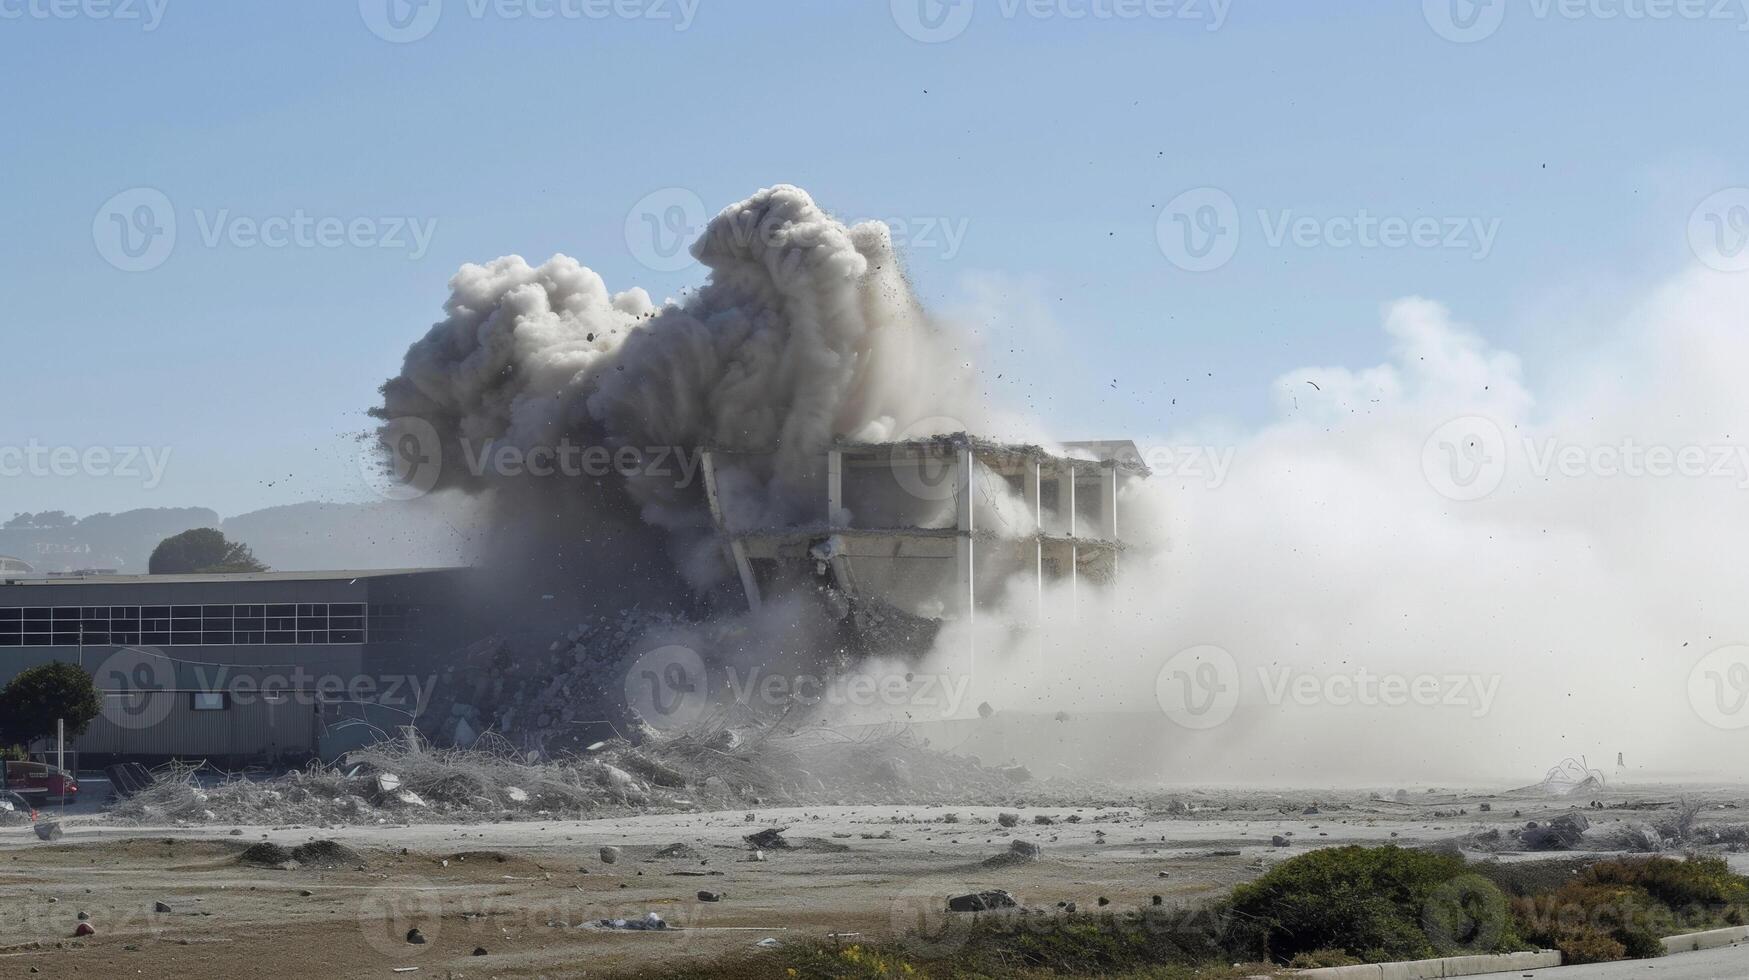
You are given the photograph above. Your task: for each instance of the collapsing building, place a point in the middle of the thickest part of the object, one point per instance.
(934, 527)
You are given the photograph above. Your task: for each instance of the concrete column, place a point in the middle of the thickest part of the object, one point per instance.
(834, 487)
(1035, 504)
(965, 480)
(736, 550)
(1108, 502)
(1066, 498)
(1075, 581)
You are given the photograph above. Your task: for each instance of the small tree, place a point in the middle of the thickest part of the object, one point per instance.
(202, 549)
(36, 698)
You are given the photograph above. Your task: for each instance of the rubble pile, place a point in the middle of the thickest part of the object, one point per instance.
(408, 780)
(548, 696)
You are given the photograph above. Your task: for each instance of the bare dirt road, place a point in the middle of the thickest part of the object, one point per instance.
(528, 893)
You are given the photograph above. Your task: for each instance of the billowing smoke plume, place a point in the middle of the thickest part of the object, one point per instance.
(806, 331)
(1569, 603)
(1548, 546)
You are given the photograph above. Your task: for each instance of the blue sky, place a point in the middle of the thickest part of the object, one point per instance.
(1030, 155)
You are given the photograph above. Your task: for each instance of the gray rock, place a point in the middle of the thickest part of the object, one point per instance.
(981, 901)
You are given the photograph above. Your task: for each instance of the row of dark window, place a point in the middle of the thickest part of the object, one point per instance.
(275, 624)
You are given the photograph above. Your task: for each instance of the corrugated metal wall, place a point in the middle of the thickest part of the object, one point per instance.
(261, 727)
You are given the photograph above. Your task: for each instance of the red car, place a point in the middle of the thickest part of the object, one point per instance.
(40, 781)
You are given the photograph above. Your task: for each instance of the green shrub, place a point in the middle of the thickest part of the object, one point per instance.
(1589, 946)
(1372, 903)
(1706, 882)
(1320, 958)
(1632, 903)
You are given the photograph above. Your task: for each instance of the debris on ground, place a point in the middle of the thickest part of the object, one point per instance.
(1560, 834)
(407, 780)
(1019, 852)
(770, 839)
(981, 901)
(651, 922)
(1565, 778)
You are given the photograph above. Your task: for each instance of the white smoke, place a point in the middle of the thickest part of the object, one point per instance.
(1562, 613)
(1573, 602)
(805, 332)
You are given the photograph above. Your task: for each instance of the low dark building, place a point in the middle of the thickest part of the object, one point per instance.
(236, 667)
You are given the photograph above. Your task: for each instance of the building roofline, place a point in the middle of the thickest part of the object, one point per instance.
(1129, 461)
(215, 578)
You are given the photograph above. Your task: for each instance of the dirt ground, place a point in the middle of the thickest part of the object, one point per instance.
(525, 893)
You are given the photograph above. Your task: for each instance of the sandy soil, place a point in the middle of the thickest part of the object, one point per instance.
(524, 892)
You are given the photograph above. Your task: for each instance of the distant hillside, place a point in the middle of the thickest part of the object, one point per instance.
(387, 534)
(56, 543)
(297, 537)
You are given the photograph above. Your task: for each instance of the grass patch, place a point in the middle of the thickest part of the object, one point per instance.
(1331, 907)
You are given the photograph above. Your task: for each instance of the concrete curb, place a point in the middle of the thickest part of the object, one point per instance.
(1711, 939)
(1449, 966)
